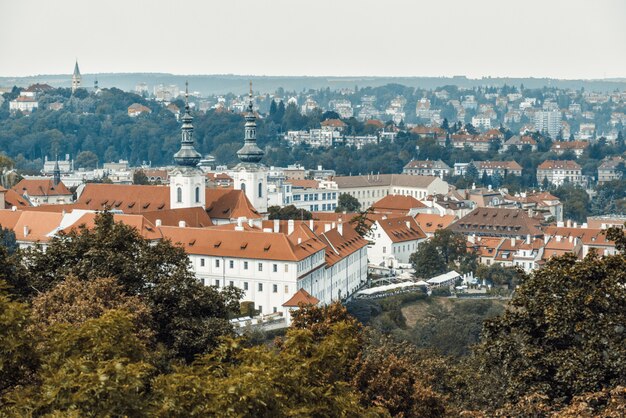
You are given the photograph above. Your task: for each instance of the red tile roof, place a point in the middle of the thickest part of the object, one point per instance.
(402, 229)
(334, 123)
(396, 202)
(41, 187)
(429, 223)
(301, 297)
(559, 165)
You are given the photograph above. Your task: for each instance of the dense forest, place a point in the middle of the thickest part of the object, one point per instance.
(105, 324)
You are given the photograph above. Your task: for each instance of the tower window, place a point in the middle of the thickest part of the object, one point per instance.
(179, 194)
(261, 189)
(243, 187)
(197, 194)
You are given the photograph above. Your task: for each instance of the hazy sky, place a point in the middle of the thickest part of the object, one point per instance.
(541, 38)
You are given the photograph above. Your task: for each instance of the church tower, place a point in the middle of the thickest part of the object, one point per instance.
(187, 187)
(56, 174)
(76, 78)
(249, 175)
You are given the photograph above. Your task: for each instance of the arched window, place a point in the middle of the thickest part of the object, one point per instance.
(261, 189)
(243, 187)
(197, 194)
(179, 195)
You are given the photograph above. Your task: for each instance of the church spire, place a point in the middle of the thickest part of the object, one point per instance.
(76, 78)
(56, 173)
(187, 155)
(250, 152)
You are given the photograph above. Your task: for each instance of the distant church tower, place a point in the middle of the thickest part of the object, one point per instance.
(76, 78)
(187, 187)
(56, 174)
(249, 175)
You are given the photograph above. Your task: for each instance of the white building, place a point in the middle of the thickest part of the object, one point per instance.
(393, 241)
(371, 188)
(548, 121)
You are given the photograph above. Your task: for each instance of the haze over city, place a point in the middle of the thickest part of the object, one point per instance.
(556, 39)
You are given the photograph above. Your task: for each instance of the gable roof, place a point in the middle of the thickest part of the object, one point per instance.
(41, 187)
(498, 222)
(301, 297)
(401, 229)
(430, 222)
(396, 202)
(13, 198)
(559, 165)
(139, 222)
(229, 204)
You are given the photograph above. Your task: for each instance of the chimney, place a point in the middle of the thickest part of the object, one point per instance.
(158, 223)
(299, 240)
(571, 238)
(340, 229)
(250, 223)
(471, 239)
(575, 224)
(26, 230)
(290, 226)
(512, 242)
(326, 227)
(528, 239)
(311, 224)
(569, 223)
(558, 238)
(276, 225)
(181, 224)
(13, 208)
(559, 224)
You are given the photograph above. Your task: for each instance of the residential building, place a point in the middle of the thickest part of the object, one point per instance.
(397, 205)
(609, 169)
(577, 147)
(548, 121)
(431, 222)
(519, 143)
(24, 104)
(502, 168)
(393, 241)
(559, 171)
(137, 109)
(497, 222)
(49, 191)
(435, 168)
(310, 196)
(370, 188)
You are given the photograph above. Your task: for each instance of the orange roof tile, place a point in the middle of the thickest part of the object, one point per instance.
(193, 217)
(430, 222)
(402, 229)
(139, 222)
(41, 187)
(398, 203)
(301, 297)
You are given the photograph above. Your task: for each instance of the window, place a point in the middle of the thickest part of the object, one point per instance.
(286, 289)
(260, 266)
(231, 283)
(179, 194)
(197, 194)
(242, 186)
(260, 287)
(275, 268)
(202, 262)
(275, 309)
(231, 264)
(260, 309)
(384, 250)
(275, 288)
(245, 265)
(217, 283)
(261, 189)
(286, 268)
(217, 263)
(245, 285)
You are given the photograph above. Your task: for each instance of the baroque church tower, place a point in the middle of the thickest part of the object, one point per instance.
(187, 187)
(250, 175)
(76, 78)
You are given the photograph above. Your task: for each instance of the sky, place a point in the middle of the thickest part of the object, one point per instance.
(510, 38)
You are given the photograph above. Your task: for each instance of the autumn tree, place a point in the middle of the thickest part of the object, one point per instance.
(564, 334)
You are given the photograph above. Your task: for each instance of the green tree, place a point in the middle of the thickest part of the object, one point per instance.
(288, 212)
(445, 251)
(564, 335)
(86, 159)
(347, 203)
(427, 261)
(140, 177)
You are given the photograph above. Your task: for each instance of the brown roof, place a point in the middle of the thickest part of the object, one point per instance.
(306, 184)
(375, 122)
(193, 217)
(569, 145)
(377, 180)
(229, 204)
(8, 218)
(559, 165)
(127, 198)
(430, 222)
(426, 130)
(12, 198)
(498, 222)
(241, 244)
(402, 229)
(396, 202)
(339, 246)
(39, 225)
(504, 165)
(588, 236)
(301, 297)
(139, 222)
(41, 187)
(335, 123)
